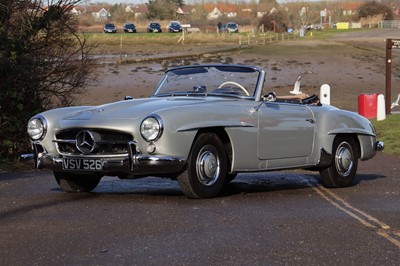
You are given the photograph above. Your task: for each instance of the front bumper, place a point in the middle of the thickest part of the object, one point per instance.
(131, 164)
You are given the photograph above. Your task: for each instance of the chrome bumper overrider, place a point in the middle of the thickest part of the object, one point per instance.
(380, 145)
(132, 164)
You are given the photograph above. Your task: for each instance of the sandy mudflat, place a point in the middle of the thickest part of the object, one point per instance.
(351, 66)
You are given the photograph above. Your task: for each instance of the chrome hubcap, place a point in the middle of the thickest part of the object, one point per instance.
(344, 159)
(207, 166)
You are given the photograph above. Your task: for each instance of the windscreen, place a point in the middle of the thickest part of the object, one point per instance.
(210, 80)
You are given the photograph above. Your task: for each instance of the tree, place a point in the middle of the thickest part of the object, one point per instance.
(163, 9)
(44, 63)
(271, 2)
(119, 14)
(179, 3)
(274, 21)
(302, 14)
(372, 9)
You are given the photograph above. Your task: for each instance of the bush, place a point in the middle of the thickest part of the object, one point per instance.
(275, 22)
(44, 63)
(372, 9)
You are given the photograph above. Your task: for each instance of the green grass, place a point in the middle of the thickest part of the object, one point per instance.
(329, 33)
(161, 38)
(388, 131)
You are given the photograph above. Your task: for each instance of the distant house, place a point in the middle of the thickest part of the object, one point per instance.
(245, 11)
(348, 9)
(264, 12)
(75, 11)
(139, 10)
(214, 14)
(102, 15)
(260, 14)
(216, 11)
(129, 9)
(186, 10)
(189, 9)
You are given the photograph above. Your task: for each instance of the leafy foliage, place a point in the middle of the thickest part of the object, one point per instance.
(163, 9)
(371, 9)
(44, 64)
(275, 21)
(271, 2)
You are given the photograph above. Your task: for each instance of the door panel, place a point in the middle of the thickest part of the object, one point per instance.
(285, 131)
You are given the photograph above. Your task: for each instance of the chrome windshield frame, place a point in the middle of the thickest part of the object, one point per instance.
(256, 94)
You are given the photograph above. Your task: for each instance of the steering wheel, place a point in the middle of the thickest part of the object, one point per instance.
(236, 84)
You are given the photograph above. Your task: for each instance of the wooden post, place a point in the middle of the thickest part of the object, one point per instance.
(388, 90)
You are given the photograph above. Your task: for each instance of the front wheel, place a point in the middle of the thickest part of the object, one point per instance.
(207, 168)
(344, 163)
(77, 183)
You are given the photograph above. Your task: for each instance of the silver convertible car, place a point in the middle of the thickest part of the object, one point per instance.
(202, 125)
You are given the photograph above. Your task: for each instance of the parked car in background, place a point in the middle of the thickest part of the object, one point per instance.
(231, 27)
(174, 26)
(129, 28)
(202, 125)
(110, 28)
(154, 27)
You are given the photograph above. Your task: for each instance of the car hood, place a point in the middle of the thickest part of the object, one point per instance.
(140, 108)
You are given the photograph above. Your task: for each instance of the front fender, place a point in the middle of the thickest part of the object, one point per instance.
(332, 122)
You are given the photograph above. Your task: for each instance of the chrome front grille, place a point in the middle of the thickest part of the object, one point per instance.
(107, 142)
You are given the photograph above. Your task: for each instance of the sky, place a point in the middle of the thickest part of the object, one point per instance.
(119, 1)
(134, 1)
(112, 2)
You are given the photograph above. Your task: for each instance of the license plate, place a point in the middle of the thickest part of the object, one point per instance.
(82, 164)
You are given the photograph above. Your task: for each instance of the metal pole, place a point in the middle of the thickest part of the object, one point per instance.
(388, 94)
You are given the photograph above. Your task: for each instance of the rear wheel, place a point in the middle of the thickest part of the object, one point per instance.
(344, 163)
(77, 183)
(207, 168)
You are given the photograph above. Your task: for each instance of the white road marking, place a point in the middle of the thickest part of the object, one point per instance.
(365, 219)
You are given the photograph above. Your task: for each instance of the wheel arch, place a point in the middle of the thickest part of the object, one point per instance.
(327, 142)
(326, 152)
(365, 148)
(356, 139)
(223, 136)
(344, 161)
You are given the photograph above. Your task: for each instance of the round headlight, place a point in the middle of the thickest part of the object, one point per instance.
(37, 128)
(151, 128)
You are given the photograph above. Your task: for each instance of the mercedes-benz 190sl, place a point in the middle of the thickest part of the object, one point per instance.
(202, 125)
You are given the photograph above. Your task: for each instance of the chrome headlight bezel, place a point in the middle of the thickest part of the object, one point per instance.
(152, 128)
(37, 128)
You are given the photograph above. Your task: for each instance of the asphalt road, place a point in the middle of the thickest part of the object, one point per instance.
(279, 218)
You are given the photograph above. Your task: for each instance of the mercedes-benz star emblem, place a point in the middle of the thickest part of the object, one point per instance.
(86, 141)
